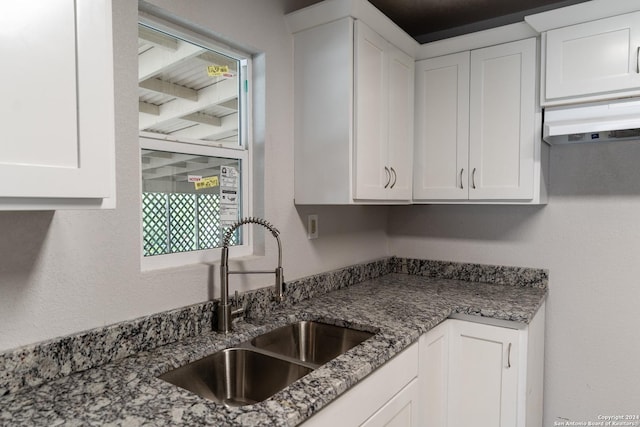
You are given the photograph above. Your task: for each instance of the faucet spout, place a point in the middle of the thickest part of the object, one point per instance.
(226, 311)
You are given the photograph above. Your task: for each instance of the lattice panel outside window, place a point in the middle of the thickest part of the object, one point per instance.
(155, 223)
(209, 221)
(181, 222)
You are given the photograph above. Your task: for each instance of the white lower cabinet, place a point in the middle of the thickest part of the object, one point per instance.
(434, 375)
(400, 411)
(387, 397)
(467, 371)
(482, 374)
(483, 382)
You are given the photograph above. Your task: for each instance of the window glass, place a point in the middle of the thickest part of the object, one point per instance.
(194, 161)
(187, 91)
(184, 205)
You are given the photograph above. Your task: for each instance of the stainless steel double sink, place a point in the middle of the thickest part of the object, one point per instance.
(257, 369)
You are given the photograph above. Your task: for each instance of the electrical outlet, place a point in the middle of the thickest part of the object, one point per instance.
(312, 226)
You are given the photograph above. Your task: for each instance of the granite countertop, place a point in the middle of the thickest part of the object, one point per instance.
(401, 306)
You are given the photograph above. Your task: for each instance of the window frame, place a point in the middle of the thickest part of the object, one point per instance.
(241, 151)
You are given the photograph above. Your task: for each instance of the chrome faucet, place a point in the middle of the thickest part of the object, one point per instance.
(226, 312)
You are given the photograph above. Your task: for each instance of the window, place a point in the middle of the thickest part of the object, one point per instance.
(182, 212)
(193, 122)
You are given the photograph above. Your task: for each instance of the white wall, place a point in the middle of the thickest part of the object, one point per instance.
(68, 271)
(588, 236)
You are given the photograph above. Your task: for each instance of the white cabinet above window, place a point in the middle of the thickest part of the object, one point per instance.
(57, 106)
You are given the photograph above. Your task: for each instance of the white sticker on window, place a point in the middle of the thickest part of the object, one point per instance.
(229, 200)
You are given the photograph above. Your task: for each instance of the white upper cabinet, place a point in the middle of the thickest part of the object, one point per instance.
(354, 106)
(401, 119)
(502, 108)
(442, 128)
(477, 138)
(592, 61)
(57, 106)
(383, 118)
(371, 101)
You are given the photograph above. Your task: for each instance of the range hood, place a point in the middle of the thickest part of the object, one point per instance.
(617, 120)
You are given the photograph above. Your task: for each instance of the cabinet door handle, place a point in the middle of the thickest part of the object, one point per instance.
(461, 186)
(395, 177)
(638, 60)
(509, 356)
(386, 170)
(473, 179)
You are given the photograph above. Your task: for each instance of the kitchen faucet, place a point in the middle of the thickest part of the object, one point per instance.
(226, 312)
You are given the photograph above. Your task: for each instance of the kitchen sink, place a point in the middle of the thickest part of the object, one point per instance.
(236, 376)
(312, 342)
(257, 369)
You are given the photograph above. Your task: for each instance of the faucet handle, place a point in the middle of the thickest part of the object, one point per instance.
(238, 310)
(279, 289)
(236, 300)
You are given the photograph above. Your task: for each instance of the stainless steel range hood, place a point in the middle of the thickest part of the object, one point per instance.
(617, 120)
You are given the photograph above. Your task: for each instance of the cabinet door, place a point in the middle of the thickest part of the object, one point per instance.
(483, 386)
(400, 113)
(442, 128)
(594, 57)
(57, 102)
(502, 116)
(372, 173)
(400, 411)
(323, 124)
(434, 376)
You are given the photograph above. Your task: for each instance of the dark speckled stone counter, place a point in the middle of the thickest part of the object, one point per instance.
(401, 306)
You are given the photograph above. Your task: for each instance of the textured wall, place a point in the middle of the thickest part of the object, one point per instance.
(588, 236)
(69, 271)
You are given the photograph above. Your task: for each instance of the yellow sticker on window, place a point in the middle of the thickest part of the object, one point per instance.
(217, 70)
(208, 182)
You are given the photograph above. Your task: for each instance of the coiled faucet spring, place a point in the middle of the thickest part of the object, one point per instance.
(225, 310)
(249, 220)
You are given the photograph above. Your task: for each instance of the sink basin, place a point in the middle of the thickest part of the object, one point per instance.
(309, 341)
(236, 376)
(257, 369)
